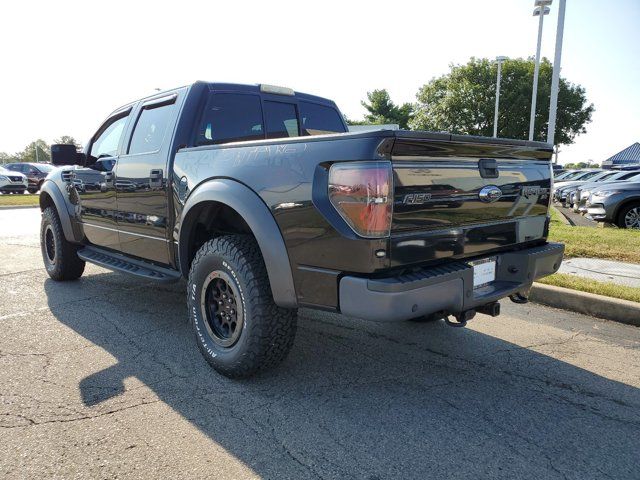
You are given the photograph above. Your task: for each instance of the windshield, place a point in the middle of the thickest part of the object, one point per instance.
(601, 176)
(572, 175)
(562, 175)
(587, 175)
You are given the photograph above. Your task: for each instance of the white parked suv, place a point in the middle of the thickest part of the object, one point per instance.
(12, 182)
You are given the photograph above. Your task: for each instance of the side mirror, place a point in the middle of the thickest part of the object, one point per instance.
(62, 154)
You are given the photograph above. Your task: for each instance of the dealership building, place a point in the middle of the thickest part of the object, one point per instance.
(624, 158)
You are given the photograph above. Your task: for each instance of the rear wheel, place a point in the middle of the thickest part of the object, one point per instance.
(238, 327)
(629, 216)
(60, 256)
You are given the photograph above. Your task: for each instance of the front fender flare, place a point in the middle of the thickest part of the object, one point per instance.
(50, 188)
(263, 226)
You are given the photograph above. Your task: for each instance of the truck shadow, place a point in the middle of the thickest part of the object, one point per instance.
(357, 399)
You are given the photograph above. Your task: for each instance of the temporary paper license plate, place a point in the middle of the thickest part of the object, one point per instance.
(484, 271)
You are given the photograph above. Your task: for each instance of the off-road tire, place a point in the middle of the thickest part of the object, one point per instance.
(267, 330)
(59, 255)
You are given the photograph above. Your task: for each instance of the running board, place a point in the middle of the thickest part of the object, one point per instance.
(122, 263)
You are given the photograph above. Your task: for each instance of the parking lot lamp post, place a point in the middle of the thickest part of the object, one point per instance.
(555, 79)
(499, 61)
(541, 10)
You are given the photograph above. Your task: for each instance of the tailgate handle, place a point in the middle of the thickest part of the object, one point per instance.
(488, 168)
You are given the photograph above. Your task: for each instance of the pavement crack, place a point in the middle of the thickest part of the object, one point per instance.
(32, 422)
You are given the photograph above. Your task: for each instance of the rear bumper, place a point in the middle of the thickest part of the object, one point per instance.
(446, 288)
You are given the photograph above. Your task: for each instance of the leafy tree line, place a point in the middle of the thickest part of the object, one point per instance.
(463, 101)
(38, 150)
(574, 166)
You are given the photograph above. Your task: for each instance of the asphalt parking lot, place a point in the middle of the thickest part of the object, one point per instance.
(101, 378)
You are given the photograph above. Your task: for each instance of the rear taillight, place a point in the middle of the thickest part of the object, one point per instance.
(362, 193)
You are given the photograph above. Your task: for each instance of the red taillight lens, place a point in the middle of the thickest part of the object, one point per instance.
(362, 193)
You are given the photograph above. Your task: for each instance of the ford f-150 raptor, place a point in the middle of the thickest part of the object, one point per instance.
(260, 198)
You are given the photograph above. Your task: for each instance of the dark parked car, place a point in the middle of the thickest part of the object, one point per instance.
(35, 173)
(617, 203)
(261, 199)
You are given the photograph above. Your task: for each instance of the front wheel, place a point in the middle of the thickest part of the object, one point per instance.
(630, 216)
(60, 256)
(238, 327)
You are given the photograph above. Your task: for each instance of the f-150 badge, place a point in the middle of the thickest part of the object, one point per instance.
(416, 198)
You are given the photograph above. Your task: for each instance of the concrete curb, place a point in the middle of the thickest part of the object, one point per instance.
(615, 309)
(563, 217)
(11, 207)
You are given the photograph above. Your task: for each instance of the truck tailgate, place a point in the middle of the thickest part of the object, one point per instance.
(462, 195)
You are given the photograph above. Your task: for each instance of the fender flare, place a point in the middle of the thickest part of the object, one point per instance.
(50, 188)
(262, 224)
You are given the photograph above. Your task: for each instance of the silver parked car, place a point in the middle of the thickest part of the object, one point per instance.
(617, 203)
(578, 198)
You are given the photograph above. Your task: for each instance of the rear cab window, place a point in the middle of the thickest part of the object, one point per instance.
(281, 119)
(319, 119)
(230, 116)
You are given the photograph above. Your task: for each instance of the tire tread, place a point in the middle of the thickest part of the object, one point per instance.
(274, 327)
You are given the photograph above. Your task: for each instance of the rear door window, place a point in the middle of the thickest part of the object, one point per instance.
(150, 129)
(231, 117)
(319, 119)
(281, 119)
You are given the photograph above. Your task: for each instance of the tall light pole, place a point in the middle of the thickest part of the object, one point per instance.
(499, 61)
(541, 10)
(555, 79)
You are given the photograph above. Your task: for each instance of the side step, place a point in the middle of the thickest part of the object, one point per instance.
(122, 263)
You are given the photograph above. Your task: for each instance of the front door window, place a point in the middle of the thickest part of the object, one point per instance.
(106, 145)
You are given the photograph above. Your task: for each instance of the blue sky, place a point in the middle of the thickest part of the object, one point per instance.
(69, 64)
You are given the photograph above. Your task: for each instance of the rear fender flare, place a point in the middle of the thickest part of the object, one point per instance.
(262, 224)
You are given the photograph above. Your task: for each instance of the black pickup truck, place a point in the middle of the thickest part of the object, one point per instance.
(260, 198)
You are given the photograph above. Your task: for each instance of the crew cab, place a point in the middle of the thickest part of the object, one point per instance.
(262, 200)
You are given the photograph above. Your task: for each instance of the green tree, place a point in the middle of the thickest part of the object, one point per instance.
(38, 150)
(382, 109)
(354, 122)
(463, 101)
(67, 140)
(8, 158)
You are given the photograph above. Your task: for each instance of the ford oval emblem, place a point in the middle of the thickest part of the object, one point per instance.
(490, 194)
